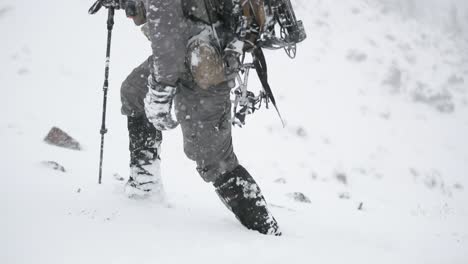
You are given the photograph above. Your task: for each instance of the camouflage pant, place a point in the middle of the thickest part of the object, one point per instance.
(202, 106)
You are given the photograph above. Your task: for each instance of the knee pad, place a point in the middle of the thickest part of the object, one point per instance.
(205, 63)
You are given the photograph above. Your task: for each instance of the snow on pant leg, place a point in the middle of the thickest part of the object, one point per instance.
(205, 119)
(168, 32)
(134, 90)
(145, 163)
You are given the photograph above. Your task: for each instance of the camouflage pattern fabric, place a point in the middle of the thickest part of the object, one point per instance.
(186, 56)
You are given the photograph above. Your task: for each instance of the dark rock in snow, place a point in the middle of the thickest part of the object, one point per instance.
(433, 179)
(59, 138)
(355, 10)
(118, 177)
(23, 71)
(356, 56)
(54, 166)
(313, 175)
(458, 186)
(361, 206)
(454, 79)
(299, 197)
(385, 115)
(430, 182)
(414, 172)
(344, 196)
(4, 10)
(301, 132)
(390, 37)
(281, 180)
(341, 177)
(394, 80)
(326, 140)
(440, 100)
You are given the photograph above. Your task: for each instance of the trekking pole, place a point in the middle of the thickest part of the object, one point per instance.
(103, 131)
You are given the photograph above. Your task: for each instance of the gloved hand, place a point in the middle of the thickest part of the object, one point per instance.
(158, 105)
(231, 62)
(104, 3)
(232, 54)
(135, 9)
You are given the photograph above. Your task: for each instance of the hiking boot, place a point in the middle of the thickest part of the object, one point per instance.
(145, 173)
(241, 194)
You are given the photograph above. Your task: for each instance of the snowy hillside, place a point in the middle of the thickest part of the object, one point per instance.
(376, 106)
(449, 15)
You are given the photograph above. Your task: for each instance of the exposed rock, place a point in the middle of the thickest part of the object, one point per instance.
(59, 138)
(454, 79)
(326, 140)
(378, 175)
(431, 181)
(299, 197)
(321, 23)
(23, 71)
(385, 115)
(53, 165)
(372, 43)
(414, 172)
(313, 175)
(360, 171)
(344, 196)
(356, 56)
(118, 177)
(355, 10)
(390, 37)
(441, 100)
(4, 10)
(361, 206)
(280, 181)
(394, 79)
(341, 177)
(301, 132)
(434, 180)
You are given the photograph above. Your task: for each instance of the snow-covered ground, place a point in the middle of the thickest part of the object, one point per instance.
(376, 107)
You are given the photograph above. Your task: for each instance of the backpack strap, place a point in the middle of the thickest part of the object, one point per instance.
(260, 64)
(255, 10)
(253, 21)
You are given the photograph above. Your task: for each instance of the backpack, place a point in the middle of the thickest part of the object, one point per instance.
(254, 23)
(251, 21)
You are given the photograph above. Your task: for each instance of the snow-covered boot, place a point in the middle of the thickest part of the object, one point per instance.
(241, 194)
(145, 146)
